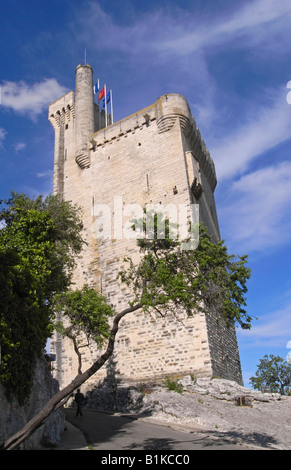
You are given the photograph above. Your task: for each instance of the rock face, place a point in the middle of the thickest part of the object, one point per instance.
(123, 397)
(13, 417)
(225, 389)
(204, 406)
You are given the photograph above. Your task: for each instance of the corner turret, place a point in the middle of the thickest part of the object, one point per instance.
(84, 106)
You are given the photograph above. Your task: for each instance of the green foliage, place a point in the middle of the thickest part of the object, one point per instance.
(37, 241)
(207, 277)
(173, 385)
(87, 312)
(275, 372)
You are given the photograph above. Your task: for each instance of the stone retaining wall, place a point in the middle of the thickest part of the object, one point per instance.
(13, 416)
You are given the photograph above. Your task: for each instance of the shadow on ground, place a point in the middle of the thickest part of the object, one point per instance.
(107, 431)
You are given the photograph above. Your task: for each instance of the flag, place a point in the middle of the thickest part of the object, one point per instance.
(101, 94)
(107, 100)
(108, 97)
(96, 88)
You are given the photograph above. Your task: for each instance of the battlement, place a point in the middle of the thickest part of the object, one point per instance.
(169, 110)
(62, 110)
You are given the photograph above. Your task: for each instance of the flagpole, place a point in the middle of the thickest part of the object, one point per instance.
(99, 118)
(105, 107)
(111, 104)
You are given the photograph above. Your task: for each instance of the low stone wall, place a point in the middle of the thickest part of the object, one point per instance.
(13, 416)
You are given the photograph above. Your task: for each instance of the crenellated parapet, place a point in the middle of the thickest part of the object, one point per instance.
(171, 109)
(174, 108)
(62, 111)
(61, 116)
(168, 111)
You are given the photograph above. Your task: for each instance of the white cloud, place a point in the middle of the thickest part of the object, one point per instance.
(263, 129)
(271, 330)
(176, 43)
(181, 33)
(30, 99)
(256, 22)
(19, 146)
(45, 174)
(138, 35)
(3, 133)
(260, 215)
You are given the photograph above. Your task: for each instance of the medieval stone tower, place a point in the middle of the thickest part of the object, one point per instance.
(154, 156)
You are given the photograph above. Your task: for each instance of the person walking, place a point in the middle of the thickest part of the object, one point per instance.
(79, 399)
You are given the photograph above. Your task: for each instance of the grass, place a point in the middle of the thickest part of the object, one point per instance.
(173, 385)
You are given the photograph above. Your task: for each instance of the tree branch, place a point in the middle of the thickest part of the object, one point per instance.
(71, 336)
(63, 395)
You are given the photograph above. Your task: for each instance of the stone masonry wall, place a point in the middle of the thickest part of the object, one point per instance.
(148, 158)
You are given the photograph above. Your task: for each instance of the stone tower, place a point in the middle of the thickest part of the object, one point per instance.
(84, 117)
(154, 156)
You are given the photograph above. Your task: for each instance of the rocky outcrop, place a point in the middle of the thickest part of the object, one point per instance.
(225, 390)
(122, 397)
(13, 416)
(207, 407)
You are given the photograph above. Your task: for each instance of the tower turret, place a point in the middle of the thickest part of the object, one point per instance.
(84, 113)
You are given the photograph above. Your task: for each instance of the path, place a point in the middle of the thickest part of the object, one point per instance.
(104, 431)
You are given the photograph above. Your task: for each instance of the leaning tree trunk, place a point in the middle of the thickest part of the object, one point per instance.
(63, 395)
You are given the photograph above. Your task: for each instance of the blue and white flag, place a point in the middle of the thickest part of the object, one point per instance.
(96, 88)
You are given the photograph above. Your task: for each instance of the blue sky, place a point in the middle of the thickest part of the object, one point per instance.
(230, 59)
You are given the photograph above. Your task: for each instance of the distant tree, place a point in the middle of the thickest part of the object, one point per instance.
(274, 372)
(167, 278)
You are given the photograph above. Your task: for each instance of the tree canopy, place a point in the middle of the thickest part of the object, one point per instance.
(38, 243)
(169, 277)
(86, 316)
(274, 372)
